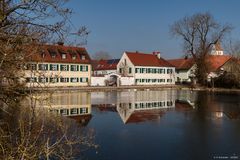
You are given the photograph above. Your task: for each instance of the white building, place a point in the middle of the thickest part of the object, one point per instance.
(59, 65)
(146, 69)
(185, 69)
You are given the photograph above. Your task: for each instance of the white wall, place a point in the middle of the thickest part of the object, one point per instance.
(98, 81)
(127, 81)
(184, 75)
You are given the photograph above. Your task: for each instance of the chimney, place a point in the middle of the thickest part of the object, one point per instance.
(157, 54)
(60, 43)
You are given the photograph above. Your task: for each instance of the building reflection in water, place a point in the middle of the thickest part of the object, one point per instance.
(75, 105)
(140, 106)
(148, 106)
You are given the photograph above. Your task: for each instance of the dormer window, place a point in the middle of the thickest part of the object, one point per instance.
(52, 52)
(62, 53)
(64, 56)
(83, 57)
(74, 56)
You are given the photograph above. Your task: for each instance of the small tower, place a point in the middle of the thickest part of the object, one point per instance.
(217, 49)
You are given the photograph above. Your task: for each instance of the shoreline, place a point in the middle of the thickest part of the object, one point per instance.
(123, 88)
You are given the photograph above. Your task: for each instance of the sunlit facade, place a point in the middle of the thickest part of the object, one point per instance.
(58, 66)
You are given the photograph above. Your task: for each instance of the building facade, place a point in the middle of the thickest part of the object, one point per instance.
(147, 69)
(185, 69)
(58, 65)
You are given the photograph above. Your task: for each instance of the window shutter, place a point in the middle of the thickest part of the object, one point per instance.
(80, 80)
(77, 68)
(67, 67)
(86, 68)
(80, 67)
(86, 79)
(50, 67)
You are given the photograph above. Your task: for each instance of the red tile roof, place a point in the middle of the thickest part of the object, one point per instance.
(145, 115)
(53, 53)
(143, 59)
(182, 106)
(83, 120)
(217, 61)
(184, 63)
(110, 64)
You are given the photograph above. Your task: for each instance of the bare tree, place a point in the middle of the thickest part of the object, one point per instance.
(101, 55)
(199, 32)
(25, 132)
(24, 26)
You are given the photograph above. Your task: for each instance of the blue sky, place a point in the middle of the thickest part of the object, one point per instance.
(143, 25)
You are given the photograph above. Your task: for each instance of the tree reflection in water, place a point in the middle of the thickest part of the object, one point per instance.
(29, 131)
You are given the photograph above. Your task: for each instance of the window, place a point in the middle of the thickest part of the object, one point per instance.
(64, 67)
(83, 110)
(83, 68)
(169, 103)
(64, 80)
(130, 70)
(149, 70)
(42, 79)
(162, 80)
(144, 70)
(136, 70)
(74, 56)
(64, 55)
(120, 70)
(74, 111)
(31, 79)
(169, 80)
(53, 67)
(169, 71)
(43, 67)
(64, 112)
(52, 52)
(74, 80)
(74, 67)
(31, 66)
(83, 80)
(83, 57)
(53, 79)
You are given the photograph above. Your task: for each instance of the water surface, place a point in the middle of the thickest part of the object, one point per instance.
(169, 124)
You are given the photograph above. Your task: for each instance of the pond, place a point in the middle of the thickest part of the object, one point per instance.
(158, 124)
